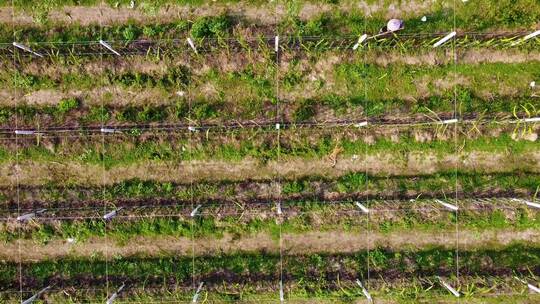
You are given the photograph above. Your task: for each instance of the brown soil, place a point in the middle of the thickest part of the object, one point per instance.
(332, 242)
(37, 173)
(265, 14)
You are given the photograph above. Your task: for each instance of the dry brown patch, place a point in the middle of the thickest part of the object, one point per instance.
(262, 14)
(383, 164)
(330, 242)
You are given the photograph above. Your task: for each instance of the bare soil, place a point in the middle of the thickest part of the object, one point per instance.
(383, 164)
(263, 14)
(328, 242)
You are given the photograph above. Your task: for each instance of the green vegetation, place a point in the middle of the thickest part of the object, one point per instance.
(479, 15)
(314, 173)
(249, 93)
(313, 216)
(313, 270)
(241, 145)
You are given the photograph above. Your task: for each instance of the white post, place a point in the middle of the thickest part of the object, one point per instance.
(115, 295)
(196, 296)
(361, 124)
(25, 48)
(109, 47)
(107, 130)
(281, 293)
(359, 42)
(449, 206)
(192, 45)
(449, 121)
(24, 132)
(194, 212)
(534, 119)
(362, 207)
(29, 216)
(531, 35)
(278, 208)
(449, 288)
(533, 288)
(444, 39)
(34, 297)
(112, 214)
(364, 291)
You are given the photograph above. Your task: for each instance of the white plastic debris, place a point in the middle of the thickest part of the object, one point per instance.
(362, 207)
(192, 45)
(194, 212)
(24, 132)
(532, 84)
(424, 19)
(181, 93)
(70, 240)
(360, 40)
(276, 44)
(449, 288)
(278, 208)
(196, 296)
(34, 297)
(192, 129)
(115, 295)
(444, 39)
(278, 126)
(449, 206)
(364, 291)
(109, 47)
(27, 49)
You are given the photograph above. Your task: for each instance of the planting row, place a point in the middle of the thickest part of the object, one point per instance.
(294, 17)
(243, 88)
(258, 155)
(477, 290)
(225, 220)
(352, 186)
(253, 271)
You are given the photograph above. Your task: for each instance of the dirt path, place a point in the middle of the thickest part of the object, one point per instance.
(264, 14)
(387, 164)
(312, 242)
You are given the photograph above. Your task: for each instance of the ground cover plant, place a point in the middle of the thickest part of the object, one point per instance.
(269, 169)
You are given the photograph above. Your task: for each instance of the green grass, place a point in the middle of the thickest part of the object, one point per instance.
(312, 219)
(242, 266)
(479, 15)
(440, 184)
(249, 93)
(243, 145)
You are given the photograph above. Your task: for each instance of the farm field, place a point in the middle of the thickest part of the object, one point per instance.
(232, 151)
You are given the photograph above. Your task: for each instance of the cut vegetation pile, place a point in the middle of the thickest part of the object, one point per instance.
(265, 173)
